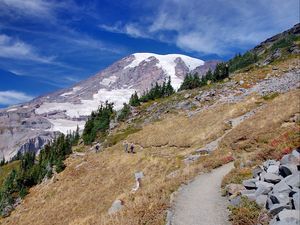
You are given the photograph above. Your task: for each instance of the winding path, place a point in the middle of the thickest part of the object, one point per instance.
(200, 202)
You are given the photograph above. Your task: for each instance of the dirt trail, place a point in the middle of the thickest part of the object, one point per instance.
(200, 202)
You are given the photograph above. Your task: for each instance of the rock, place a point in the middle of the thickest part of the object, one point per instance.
(273, 169)
(286, 170)
(272, 178)
(235, 201)
(138, 175)
(283, 199)
(257, 171)
(284, 222)
(116, 206)
(187, 95)
(293, 158)
(241, 82)
(233, 189)
(288, 214)
(191, 158)
(269, 162)
(263, 188)
(296, 201)
(293, 180)
(276, 208)
(261, 200)
(250, 184)
(282, 187)
(249, 194)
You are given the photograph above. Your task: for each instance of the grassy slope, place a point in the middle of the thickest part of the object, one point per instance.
(83, 192)
(6, 169)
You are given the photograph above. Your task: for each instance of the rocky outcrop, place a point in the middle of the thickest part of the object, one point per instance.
(275, 186)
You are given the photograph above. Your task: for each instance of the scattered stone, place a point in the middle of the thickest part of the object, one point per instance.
(286, 170)
(261, 200)
(250, 184)
(296, 201)
(116, 206)
(191, 158)
(268, 163)
(272, 178)
(293, 180)
(235, 201)
(263, 188)
(273, 169)
(289, 214)
(187, 95)
(282, 187)
(233, 189)
(257, 171)
(276, 208)
(138, 178)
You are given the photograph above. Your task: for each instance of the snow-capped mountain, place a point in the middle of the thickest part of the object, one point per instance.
(31, 125)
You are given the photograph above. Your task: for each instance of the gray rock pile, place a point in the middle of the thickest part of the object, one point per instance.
(275, 186)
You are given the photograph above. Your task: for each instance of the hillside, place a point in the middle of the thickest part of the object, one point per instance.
(177, 137)
(29, 126)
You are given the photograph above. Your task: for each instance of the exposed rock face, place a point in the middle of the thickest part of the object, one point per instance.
(31, 125)
(277, 189)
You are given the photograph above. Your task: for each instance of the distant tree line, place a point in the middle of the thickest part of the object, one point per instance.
(98, 123)
(192, 81)
(241, 61)
(33, 169)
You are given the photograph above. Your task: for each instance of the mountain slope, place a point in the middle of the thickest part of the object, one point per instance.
(30, 125)
(167, 150)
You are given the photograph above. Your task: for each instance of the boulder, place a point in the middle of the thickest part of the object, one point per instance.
(293, 180)
(285, 222)
(292, 158)
(116, 206)
(270, 162)
(272, 178)
(273, 169)
(257, 171)
(249, 194)
(282, 187)
(263, 188)
(276, 208)
(250, 184)
(233, 189)
(296, 201)
(235, 201)
(288, 214)
(261, 200)
(283, 198)
(286, 170)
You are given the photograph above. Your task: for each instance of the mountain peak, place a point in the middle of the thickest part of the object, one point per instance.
(167, 63)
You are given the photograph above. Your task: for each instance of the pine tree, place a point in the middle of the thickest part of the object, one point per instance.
(134, 100)
(169, 89)
(125, 112)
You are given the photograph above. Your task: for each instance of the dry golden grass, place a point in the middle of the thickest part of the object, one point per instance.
(195, 131)
(85, 190)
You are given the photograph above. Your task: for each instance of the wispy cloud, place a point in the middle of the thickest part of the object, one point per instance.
(130, 29)
(16, 49)
(211, 26)
(12, 97)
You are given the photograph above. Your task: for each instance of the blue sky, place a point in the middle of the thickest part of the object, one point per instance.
(50, 44)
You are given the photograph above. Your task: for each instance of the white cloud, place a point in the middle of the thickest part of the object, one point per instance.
(16, 49)
(13, 97)
(25, 7)
(130, 29)
(207, 26)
